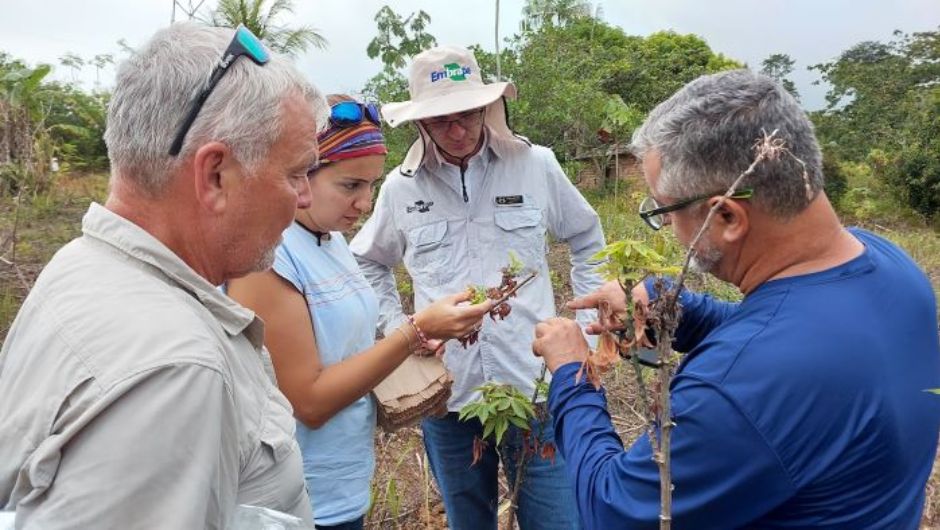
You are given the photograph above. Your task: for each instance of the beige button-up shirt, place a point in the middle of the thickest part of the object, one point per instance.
(134, 394)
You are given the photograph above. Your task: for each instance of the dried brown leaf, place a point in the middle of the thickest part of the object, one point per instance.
(478, 447)
(548, 451)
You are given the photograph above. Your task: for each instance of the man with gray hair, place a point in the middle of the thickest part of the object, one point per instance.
(802, 406)
(134, 393)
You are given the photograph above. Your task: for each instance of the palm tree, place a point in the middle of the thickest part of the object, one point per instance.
(73, 61)
(538, 13)
(100, 61)
(290, 41)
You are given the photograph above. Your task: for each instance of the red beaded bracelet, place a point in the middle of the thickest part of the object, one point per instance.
(421, 336)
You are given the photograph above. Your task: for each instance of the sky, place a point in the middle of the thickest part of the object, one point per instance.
(810, 31)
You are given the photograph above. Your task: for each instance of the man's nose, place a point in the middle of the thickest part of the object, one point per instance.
(304, 195)
(456, 131)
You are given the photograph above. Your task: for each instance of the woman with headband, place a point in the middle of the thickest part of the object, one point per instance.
(320, 319)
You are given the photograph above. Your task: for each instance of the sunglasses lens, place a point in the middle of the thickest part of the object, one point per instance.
(650, 204)
(346, 113)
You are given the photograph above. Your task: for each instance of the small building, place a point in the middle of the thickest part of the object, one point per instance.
(603, 166)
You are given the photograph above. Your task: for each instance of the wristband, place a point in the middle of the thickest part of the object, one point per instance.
(421, 336)
(408, 341)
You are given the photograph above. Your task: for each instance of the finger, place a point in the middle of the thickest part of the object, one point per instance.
(541, 329)
(537, 347)
(456, 298)
(594, 328)
(437, 350)
(477, 311)
(588, 301)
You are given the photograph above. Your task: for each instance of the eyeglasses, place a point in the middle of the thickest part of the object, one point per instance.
(352, 113)
(243, 43)
(467, 120)
(654, 214)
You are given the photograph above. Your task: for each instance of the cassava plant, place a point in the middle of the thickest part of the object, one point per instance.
(501, 294)
(502, 405)
(499, 407)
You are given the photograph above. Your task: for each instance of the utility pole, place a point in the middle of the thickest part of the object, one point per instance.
(499, 73)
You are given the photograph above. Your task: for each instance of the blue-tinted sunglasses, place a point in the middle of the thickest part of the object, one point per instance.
(244, 43)
(351, 113)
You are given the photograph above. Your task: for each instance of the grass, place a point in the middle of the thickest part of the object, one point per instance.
(404, 496)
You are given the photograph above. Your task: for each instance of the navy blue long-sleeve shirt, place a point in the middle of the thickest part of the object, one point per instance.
(802, 406)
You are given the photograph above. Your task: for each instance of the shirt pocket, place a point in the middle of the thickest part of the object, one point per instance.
(427, 252)
(273, 476)
(523, 233)
(277, 429)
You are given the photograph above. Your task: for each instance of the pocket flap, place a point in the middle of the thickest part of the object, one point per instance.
(518, 218)
(429, 234)
(277, 432)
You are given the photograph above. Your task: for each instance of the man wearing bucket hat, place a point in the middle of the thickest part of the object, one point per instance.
(468, 192)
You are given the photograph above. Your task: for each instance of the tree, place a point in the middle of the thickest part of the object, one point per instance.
(882, 108)
(125, 47)
(539, 13)
(24, 142)
(589, 61)
(75, 122)
(779, 66)
(399, 39)
(871, 85)
(652, 69)
(73, 62)
(281, 39)
(915, 167)
(100, 61)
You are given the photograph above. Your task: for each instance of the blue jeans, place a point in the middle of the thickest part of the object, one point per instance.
(355, 524)
(546, 499)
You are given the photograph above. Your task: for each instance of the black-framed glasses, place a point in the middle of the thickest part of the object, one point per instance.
(352, 113)
(654, 214)
(244, 43)
(467, 120)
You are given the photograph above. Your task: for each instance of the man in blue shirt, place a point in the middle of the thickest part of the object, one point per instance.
(802, 406)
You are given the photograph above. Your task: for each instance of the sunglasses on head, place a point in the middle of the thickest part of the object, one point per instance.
(351, 113)
(244, 43)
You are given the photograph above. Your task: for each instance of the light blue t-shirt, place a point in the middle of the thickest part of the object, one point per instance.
(338, 457)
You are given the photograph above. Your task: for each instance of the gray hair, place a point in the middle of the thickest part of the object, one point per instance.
(705, 133)
(156, 85)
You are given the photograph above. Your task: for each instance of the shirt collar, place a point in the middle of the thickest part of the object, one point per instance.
(126, 237)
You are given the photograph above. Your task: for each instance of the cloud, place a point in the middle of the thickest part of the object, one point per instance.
(810, 31)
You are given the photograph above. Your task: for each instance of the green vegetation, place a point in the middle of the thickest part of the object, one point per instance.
(499, 407)
(884, 110)
(251, 13)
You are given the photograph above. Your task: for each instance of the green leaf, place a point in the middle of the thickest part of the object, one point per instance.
(501, 426)
(469, 410)
(517, 408)
(488, 428)
(520, 422)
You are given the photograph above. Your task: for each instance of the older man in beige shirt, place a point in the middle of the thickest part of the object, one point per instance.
(133, 393)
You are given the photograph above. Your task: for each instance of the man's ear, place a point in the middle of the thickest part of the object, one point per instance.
(731, 221)
(211, 164)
